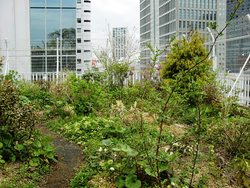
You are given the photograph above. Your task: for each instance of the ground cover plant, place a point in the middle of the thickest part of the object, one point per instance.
(22, 146)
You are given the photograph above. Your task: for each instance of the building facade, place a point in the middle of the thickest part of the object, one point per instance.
(119, 42)
(160, 20)
(43, 35)
(238, 37)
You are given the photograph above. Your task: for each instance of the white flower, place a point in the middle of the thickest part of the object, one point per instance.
(105, 150)
(100, 149)
(112, 169)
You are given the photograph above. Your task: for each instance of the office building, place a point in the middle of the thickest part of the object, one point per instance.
(43, 35)
(160, 20)
(238, 37)
(119, 42)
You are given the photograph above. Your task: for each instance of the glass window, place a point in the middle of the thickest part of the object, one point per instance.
(180, 13)
(79, 30)
(203, 15)
(179, 24)
(79, 40)
(37, 28)
(207, 3)
(195, 25)
(53, 3)
(187, 3)
(199, 25)
(35, 3)
(78, 10)
(211, 15)
(192, 25)
(203, 3)
(180, 3)
(184, 14)
(79, 51)
(69, 3)
(199, 3)
(192, 14)
(192, 3)
(203, 26)
(199, 14)
(79, 20)
(207, 15)
(188, 25)
(215, 4)
(184, 24)
(79, 1)
(195, 3)
(52, 28)
(79, 61)
(184, 3)
(211, 4)
(188, 15)
(215, 15)
(195, 15)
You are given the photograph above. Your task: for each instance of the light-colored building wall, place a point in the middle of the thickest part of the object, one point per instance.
(15, 27)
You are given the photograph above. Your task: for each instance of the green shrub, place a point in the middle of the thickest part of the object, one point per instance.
(88, 96)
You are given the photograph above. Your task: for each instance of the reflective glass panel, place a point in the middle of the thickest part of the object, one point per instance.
(53, 3)
(36, 3)
(37, 28)
(69, 3)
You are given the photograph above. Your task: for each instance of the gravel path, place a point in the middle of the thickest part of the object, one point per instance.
(69, 157)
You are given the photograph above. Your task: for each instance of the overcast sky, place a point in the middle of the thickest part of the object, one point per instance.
(116, 13)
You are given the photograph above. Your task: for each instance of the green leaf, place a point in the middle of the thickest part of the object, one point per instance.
(120, 181)
(116, 149)
(106, 142)
(37, 143)
(148, 170)
(132, 153)
(23, 157)
(1, 144)
(132, 182)
(50, 155)
(19, 147)
(126, 149)
(12, 158)
(34, 162)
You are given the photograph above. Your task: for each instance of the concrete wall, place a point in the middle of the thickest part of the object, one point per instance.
(15, 26)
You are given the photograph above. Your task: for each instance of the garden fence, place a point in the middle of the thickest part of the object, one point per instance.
(242, 88)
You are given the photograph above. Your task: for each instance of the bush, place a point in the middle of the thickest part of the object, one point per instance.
(87, 96)
(19, 137)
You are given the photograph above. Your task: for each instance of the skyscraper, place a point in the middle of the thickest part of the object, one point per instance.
(119, 41)
(238, 37)
(31, 28)
(160, 20)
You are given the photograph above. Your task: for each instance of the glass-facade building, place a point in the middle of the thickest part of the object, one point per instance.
(238, 37)
(160, 20)
(63, 20)
(119, 42)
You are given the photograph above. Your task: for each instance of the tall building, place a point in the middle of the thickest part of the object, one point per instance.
(160, 20)
(238, 37)
(38, 34)
(119, 41)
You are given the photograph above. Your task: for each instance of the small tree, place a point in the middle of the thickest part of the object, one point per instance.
(117, 69)
(182, 56)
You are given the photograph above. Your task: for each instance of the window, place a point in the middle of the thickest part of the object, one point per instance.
(179, 24)
(79, 71)
(78, 10)
(215, 15)
(180, 13)
(87, 11)
(86, 30)
(211, 15)
(86, 50)
(184, 3)
(184, 14)
(192, 14)
(207, 4)
(79, 20)
(192, 4)
(79, 1)
(188, 17)
(86, 40)
(187, 3)
(179, 3)
(195, 15)
(86, 20)
(199, 14)
(79, 40)
(87, 61)
(79, 30)
(184, 24)
(79, 61)
(79, 51)
(86, 1)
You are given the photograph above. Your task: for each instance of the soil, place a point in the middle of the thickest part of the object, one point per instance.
(70, 158)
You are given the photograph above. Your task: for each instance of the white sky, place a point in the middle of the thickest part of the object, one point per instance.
(115, 13)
